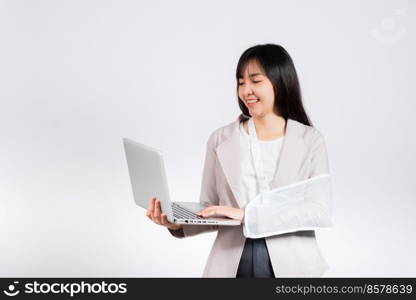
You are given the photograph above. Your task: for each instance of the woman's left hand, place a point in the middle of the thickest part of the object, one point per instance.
(220, 211)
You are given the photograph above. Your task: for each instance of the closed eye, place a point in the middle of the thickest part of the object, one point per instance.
(241, 83)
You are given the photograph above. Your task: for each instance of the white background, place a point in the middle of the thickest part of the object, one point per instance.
(78, 76)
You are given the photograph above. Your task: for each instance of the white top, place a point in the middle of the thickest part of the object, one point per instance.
(270, 152)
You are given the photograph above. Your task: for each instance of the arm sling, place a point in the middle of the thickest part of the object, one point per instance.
(304, 205)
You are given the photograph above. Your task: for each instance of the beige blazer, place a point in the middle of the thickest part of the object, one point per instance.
(303, 155)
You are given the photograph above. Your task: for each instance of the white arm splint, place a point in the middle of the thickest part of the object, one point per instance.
(305, 205)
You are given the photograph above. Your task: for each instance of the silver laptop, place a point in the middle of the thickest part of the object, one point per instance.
(148, 180)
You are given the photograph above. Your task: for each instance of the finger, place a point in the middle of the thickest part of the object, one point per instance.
(202, 212)
(213, 211)
(152, 205)
(206, 212)
(151, 208)
(156, 214)
(149, 215)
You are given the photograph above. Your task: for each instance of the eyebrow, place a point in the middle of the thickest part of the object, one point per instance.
(251, 75)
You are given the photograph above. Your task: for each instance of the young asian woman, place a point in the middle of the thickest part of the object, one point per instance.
(269, 94)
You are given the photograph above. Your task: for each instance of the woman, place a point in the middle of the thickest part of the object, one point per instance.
(291, 150)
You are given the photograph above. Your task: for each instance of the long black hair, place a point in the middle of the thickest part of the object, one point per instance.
(280, 70)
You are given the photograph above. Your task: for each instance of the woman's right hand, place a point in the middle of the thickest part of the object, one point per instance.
(154, 214)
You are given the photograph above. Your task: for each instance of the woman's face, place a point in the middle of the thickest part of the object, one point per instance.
(255, 85)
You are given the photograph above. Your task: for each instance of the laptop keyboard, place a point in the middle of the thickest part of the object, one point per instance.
(183, 213)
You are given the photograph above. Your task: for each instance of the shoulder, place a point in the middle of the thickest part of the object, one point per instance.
(223, 132)
(310, 135)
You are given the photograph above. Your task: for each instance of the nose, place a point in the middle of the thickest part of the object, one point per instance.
(247, 89)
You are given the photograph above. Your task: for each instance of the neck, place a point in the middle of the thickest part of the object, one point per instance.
(270, 123)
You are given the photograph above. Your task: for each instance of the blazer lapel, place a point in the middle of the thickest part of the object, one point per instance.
(228, 153)
(290, 159)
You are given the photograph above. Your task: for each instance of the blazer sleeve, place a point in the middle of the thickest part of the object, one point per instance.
(208, 195)
(319, 156)
(303, 206)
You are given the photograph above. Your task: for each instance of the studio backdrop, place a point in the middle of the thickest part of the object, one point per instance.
(78, 76)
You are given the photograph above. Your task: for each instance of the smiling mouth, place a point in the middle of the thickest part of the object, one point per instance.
(252, 101)
(251, 104)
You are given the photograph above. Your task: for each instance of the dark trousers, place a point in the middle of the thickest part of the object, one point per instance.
(255, 260)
